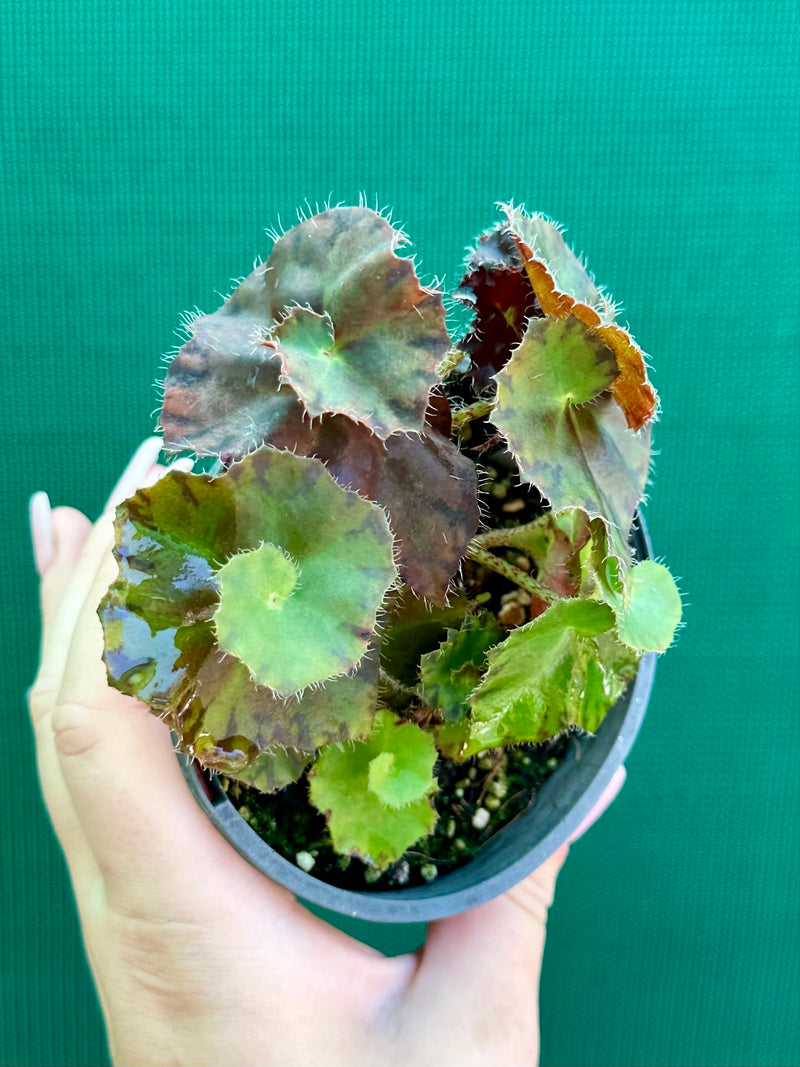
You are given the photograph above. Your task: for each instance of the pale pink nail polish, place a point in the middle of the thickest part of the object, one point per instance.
(41, 522)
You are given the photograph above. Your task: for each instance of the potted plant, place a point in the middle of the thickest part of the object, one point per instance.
(411, 603)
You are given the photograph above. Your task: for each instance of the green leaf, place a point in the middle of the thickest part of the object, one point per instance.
(376, 794)
(427, 487)
(340, 545)
(563, 669)
(402, 772)
(222, 393)
(450, 673)
(563, 286)
(190, 541)
(274, 770)
(564, 428)
(452, 739)
(356, 333)
(643, 595)
(412, 627)
(209, 699)
(648, 607)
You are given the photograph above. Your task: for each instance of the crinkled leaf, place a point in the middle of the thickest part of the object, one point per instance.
(450, 673)
(566, 432)
(603, 570)
(497, 287)
(357, 334)
(564, 287)
(351, 789)
(427, 487)
(222, 393)
(563, 669)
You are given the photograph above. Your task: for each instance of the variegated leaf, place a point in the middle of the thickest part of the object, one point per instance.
(357, 333)
(563, 286)
(427, 487)
(222, 393)
(566, 432)
(187, 635)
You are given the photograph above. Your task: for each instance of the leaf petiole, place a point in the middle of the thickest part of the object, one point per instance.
(463, 416)
(507, 537)
(478, 554)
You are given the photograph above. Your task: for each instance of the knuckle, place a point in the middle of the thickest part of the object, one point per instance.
(41, 697)
(534, 894)
(74, 729)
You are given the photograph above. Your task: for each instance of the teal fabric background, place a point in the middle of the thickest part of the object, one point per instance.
(145, 147)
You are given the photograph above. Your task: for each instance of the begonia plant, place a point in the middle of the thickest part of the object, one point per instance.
(413, 546)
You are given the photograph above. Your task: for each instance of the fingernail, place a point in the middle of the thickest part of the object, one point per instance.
(185, 464)
(39, 513)
(136, 471)
(606, 797)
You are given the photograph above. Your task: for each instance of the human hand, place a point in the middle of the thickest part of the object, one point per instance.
(197, 957)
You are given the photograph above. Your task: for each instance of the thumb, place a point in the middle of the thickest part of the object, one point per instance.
(478, 975)
(484, 964)
(498, 944)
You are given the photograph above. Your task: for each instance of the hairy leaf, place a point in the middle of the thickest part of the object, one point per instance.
(356, 333)
(566, 433)
(182, 541)
(209, 699)
(563, 669)
(376, 794)
(564, 287)
(220, 700)
(450, 673)
(648, 607)
(497, 287)
(275, 769)
(340, 542)
(427, 487)
(222, 393)
(643, 595)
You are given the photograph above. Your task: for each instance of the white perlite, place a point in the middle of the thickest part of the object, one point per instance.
(480, 820)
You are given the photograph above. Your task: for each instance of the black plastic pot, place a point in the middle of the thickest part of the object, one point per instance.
(560, 806)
